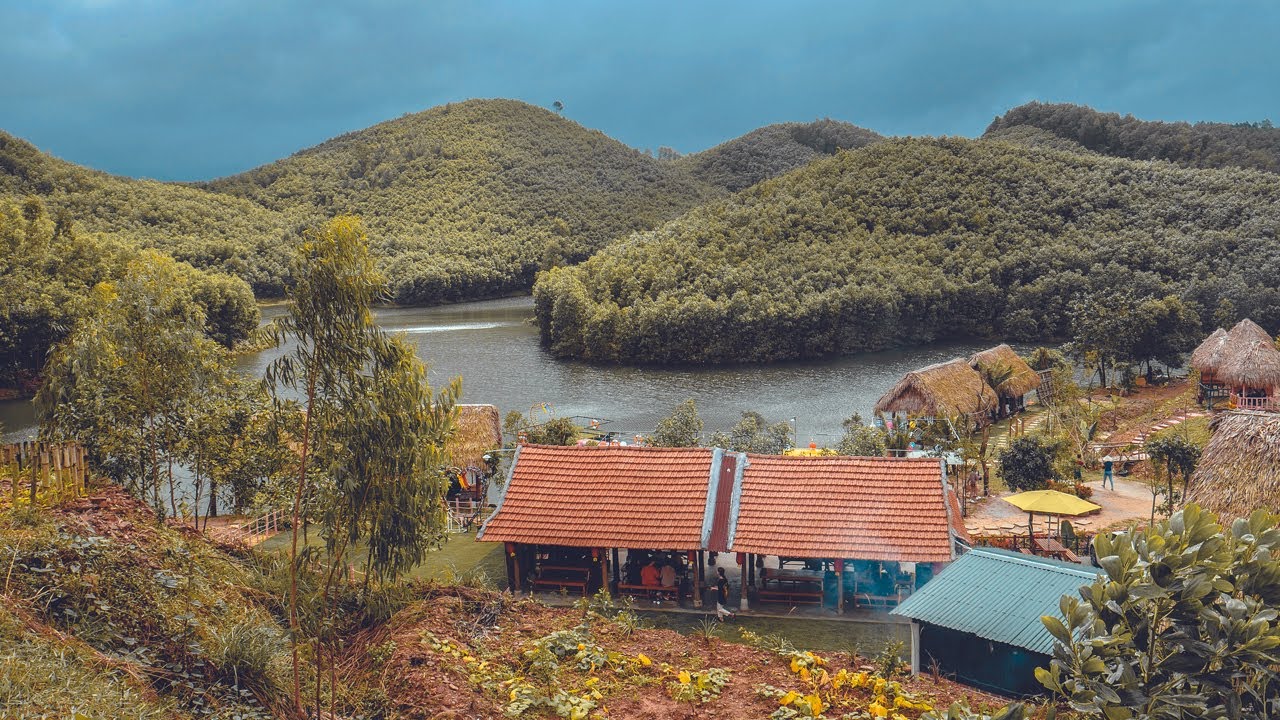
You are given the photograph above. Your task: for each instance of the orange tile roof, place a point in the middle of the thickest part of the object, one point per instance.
(845, 507)
(623, 497)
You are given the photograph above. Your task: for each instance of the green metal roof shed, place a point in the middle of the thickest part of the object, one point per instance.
(980, 617)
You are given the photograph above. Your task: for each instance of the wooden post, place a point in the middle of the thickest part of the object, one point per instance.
(604, 570)
(742, 582)
(915, 648)
(617, 567)
(701, 579)
(513, 567)
(32, 460)
(840, 586)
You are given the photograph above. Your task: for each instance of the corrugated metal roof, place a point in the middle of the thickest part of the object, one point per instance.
(998, 595)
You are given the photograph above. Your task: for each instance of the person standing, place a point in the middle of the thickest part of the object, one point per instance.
(1107, 475)
(722, 596)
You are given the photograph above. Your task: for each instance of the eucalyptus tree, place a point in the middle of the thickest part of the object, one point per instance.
(372, 431)
(682, 428)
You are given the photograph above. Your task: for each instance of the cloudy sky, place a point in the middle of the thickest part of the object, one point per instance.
(186, 89)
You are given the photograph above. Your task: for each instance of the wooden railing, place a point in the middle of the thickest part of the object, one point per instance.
(263, 525)
(1243, 402)
(463, 514)
(40, 470)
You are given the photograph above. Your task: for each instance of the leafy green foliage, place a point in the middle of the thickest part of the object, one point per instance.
(1173, 455)
(1028, 464)
(913, 240)
(1183, 625)
(682, 428)
(1205, 145)
(131, 375)
(754, 434)
(48, 267)
(861, 439)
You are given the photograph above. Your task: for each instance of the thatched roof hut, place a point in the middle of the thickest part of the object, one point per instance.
(1240, 468)
(479, 431)
(1023, 378)
(943, 390)
(1245, 355)
(1252, 364)
(1205, 357)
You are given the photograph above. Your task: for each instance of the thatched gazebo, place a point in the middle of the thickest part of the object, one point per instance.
(1240, 468)
(479, 432)
(1022, 379)
(1242, 364)
(945, 390)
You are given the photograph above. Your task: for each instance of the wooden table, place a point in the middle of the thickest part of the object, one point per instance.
(1049, 546)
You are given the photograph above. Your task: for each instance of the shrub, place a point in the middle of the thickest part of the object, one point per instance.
(1028, 463)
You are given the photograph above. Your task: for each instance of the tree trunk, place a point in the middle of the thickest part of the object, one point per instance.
(294, 626)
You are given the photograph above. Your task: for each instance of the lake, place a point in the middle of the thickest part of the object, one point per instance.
(495, 348)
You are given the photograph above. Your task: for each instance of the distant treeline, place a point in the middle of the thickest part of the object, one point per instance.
(1202, 145)
(914, 240)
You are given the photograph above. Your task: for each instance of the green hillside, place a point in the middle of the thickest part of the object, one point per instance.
(206, 229)
(773, 150)
(912, 240)
(469, 200)
(1203, 145)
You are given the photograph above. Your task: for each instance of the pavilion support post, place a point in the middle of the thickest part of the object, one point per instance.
(617, 567)
(840, 586)
(692, 558)
(701, 579)
(915, 648)
(513, 567)
(604, 570)
(742, 582)
(751, 570)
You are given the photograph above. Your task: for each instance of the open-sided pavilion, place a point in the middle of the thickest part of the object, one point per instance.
(570, 513)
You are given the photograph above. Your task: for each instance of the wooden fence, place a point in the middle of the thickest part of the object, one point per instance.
(40, 470)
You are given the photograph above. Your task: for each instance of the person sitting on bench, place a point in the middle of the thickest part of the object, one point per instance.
(649, 575)
(667, 578)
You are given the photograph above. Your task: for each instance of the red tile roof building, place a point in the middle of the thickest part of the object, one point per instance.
(604, 497)
(891, 509)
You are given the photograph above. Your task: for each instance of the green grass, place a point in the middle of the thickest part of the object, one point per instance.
(460, 557)
(1196, 430)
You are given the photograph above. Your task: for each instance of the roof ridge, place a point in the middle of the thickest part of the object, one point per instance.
(1033, 560)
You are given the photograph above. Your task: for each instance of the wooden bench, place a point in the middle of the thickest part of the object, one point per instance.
(561, 578)
(653, 592)
(882, 601)
(1069, 556)
(795, 596)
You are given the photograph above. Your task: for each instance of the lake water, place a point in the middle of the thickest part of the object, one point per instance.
(495, 349)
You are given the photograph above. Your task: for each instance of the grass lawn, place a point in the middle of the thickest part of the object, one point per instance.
(460, 557)
(866, 639)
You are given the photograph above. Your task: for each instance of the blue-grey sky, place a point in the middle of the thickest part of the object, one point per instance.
(188, 89)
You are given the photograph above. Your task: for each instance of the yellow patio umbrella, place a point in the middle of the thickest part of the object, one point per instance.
(1049, 502)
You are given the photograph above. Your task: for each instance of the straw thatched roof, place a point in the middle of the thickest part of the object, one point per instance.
(1205, 357)
(1245, 355)
(479, 431)
(1023, 380)
(1240, 468)
(1255, 364)
(943, 390)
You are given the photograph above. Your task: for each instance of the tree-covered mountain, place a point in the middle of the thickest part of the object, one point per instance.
(773, 150)
(469, 200)
(1203, 144)
(912, 240)
(463, 201)
(206, 229)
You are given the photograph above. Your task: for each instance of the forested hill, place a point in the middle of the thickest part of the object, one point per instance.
(469, 200)
(911, 240)
(1204, 145)
(206, 229)
(773, 150)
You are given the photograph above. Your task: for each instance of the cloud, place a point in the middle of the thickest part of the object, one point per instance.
(180, 90)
